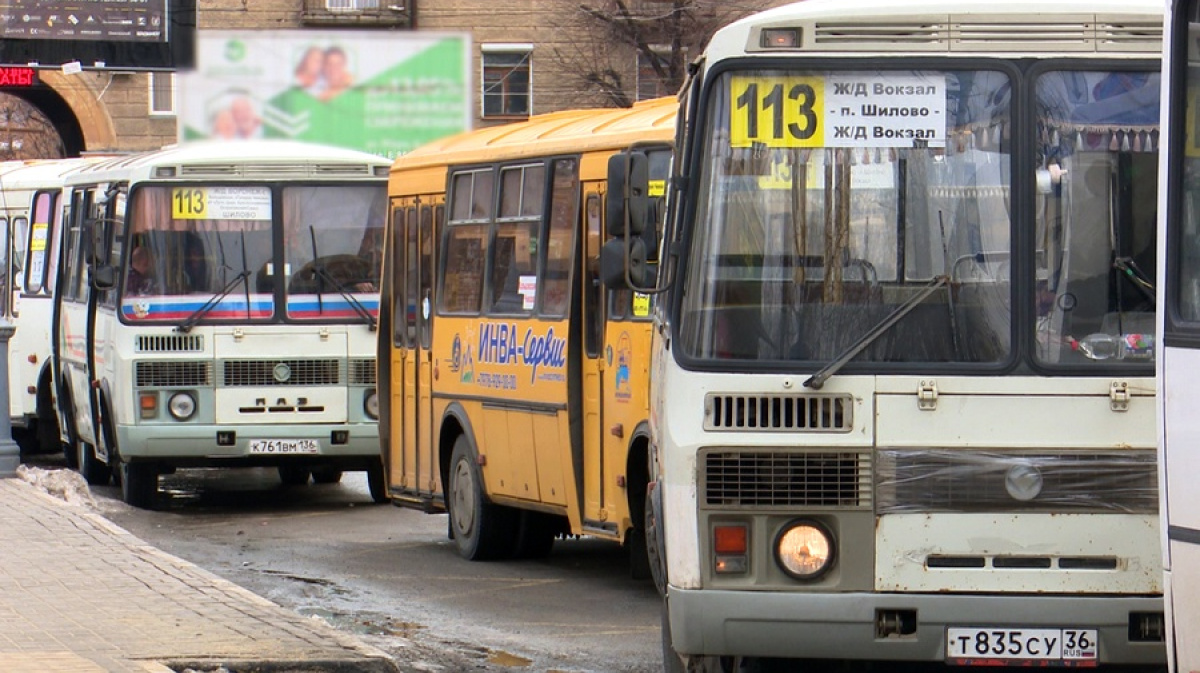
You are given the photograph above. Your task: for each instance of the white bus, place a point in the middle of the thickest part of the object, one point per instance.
(902, 402)
(30, 213)
(216, 305)
(1179, 325)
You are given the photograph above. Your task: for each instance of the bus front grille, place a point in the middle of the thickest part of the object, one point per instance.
(282, 372)
(167, 374)
(362, 372)
(787, 478)
(964, 480)
(779, 413)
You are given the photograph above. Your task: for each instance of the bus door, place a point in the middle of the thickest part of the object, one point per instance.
(414, 319)
(593, 364)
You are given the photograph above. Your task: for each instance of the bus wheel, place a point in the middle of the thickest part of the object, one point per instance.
(377, 483)
(96, 472)
(482, 530)
(326, 475)
(293, 475)
(139, 484)
(69, 439)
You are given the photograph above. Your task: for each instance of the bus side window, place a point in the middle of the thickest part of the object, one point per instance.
(560, 241)
(593, 313)
(397, 279)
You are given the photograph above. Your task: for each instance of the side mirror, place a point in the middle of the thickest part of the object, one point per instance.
(613, 264)
(104, 277)
(628, 193)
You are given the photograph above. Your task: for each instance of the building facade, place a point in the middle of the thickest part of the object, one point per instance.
(528, 57)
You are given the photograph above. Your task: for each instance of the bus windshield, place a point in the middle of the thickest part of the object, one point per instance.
(809, 237)
(213, 248)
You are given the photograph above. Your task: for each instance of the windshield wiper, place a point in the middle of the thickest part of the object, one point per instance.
(817, 380)
(323, 274)
(215, 300)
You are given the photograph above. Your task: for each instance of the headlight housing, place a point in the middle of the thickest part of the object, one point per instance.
(371, 404)
(182, 406)
(804, 549)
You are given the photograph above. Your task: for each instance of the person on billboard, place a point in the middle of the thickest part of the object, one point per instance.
(336, 73)
(310, 71)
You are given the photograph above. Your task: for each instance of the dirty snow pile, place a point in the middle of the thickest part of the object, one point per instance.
(68, 485)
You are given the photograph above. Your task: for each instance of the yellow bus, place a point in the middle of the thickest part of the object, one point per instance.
(513, 384)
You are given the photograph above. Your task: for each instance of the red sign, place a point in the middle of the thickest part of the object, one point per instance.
(17, 76)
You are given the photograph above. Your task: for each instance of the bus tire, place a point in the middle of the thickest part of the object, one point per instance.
(294, 475)
(482, 530)
(95, 471)
(326, 475)
(69, 436)
(377, 483)
(652, 531)
(672, 662)
(139, 484)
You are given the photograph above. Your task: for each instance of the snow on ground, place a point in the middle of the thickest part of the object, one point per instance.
(67, 485)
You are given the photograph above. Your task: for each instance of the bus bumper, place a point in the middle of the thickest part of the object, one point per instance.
(199, 445)
(843, 626)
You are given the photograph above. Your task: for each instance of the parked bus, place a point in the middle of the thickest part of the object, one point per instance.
(1179, 349)
(902, 393)
(30, 214)
(215, 307)
(514, 384)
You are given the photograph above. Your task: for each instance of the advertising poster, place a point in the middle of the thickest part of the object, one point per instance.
(384, 93)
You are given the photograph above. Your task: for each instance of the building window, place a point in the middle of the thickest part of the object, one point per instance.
(506, 77)
(350, 5)
(649, 84)
(162, 93)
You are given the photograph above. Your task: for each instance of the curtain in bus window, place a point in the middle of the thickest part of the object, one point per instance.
(828, 200)
(333, 247)
(39, 241)
(1096, 216)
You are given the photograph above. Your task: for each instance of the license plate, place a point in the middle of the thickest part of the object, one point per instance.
(284, 446)
(1039, 647)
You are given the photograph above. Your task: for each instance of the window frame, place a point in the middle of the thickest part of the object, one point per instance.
(524, 64)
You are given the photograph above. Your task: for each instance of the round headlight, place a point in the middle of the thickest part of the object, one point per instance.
(804, 550)
(371, 404)
(182, 406)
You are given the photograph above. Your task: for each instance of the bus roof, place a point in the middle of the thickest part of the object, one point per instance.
(243, 159)
(551, 133)
(1030, 27)
(41, 173)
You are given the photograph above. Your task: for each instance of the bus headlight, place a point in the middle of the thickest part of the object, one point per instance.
(182, 406)
(371, 404)
(804, 550)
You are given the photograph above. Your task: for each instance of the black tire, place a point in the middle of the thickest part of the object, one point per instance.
(95, 471)
(482, 530)
(377, 483)
(535, 535)
(47, 418)
(139, 484)
(656, 559)
(70, 453)
(326, 475)
(294, 475)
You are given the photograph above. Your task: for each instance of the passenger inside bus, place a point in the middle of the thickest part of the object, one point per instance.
(142, 280)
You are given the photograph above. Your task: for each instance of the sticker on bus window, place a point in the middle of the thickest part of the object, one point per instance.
(527, 288)
(882, 110)
(641, 304)
(221, 203)
(657, 188)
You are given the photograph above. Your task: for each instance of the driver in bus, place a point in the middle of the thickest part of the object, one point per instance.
(141, 279)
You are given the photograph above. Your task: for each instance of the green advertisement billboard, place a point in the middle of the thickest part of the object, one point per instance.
(384, 93)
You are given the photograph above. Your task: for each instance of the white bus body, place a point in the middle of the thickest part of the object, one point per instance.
(31, 207)
(902, 387)
(1179, 323)
(215, 307)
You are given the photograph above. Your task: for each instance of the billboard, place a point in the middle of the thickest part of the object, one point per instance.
(384, 93)
(98, 34)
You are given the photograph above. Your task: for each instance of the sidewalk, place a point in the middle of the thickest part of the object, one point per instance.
(80, 595)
